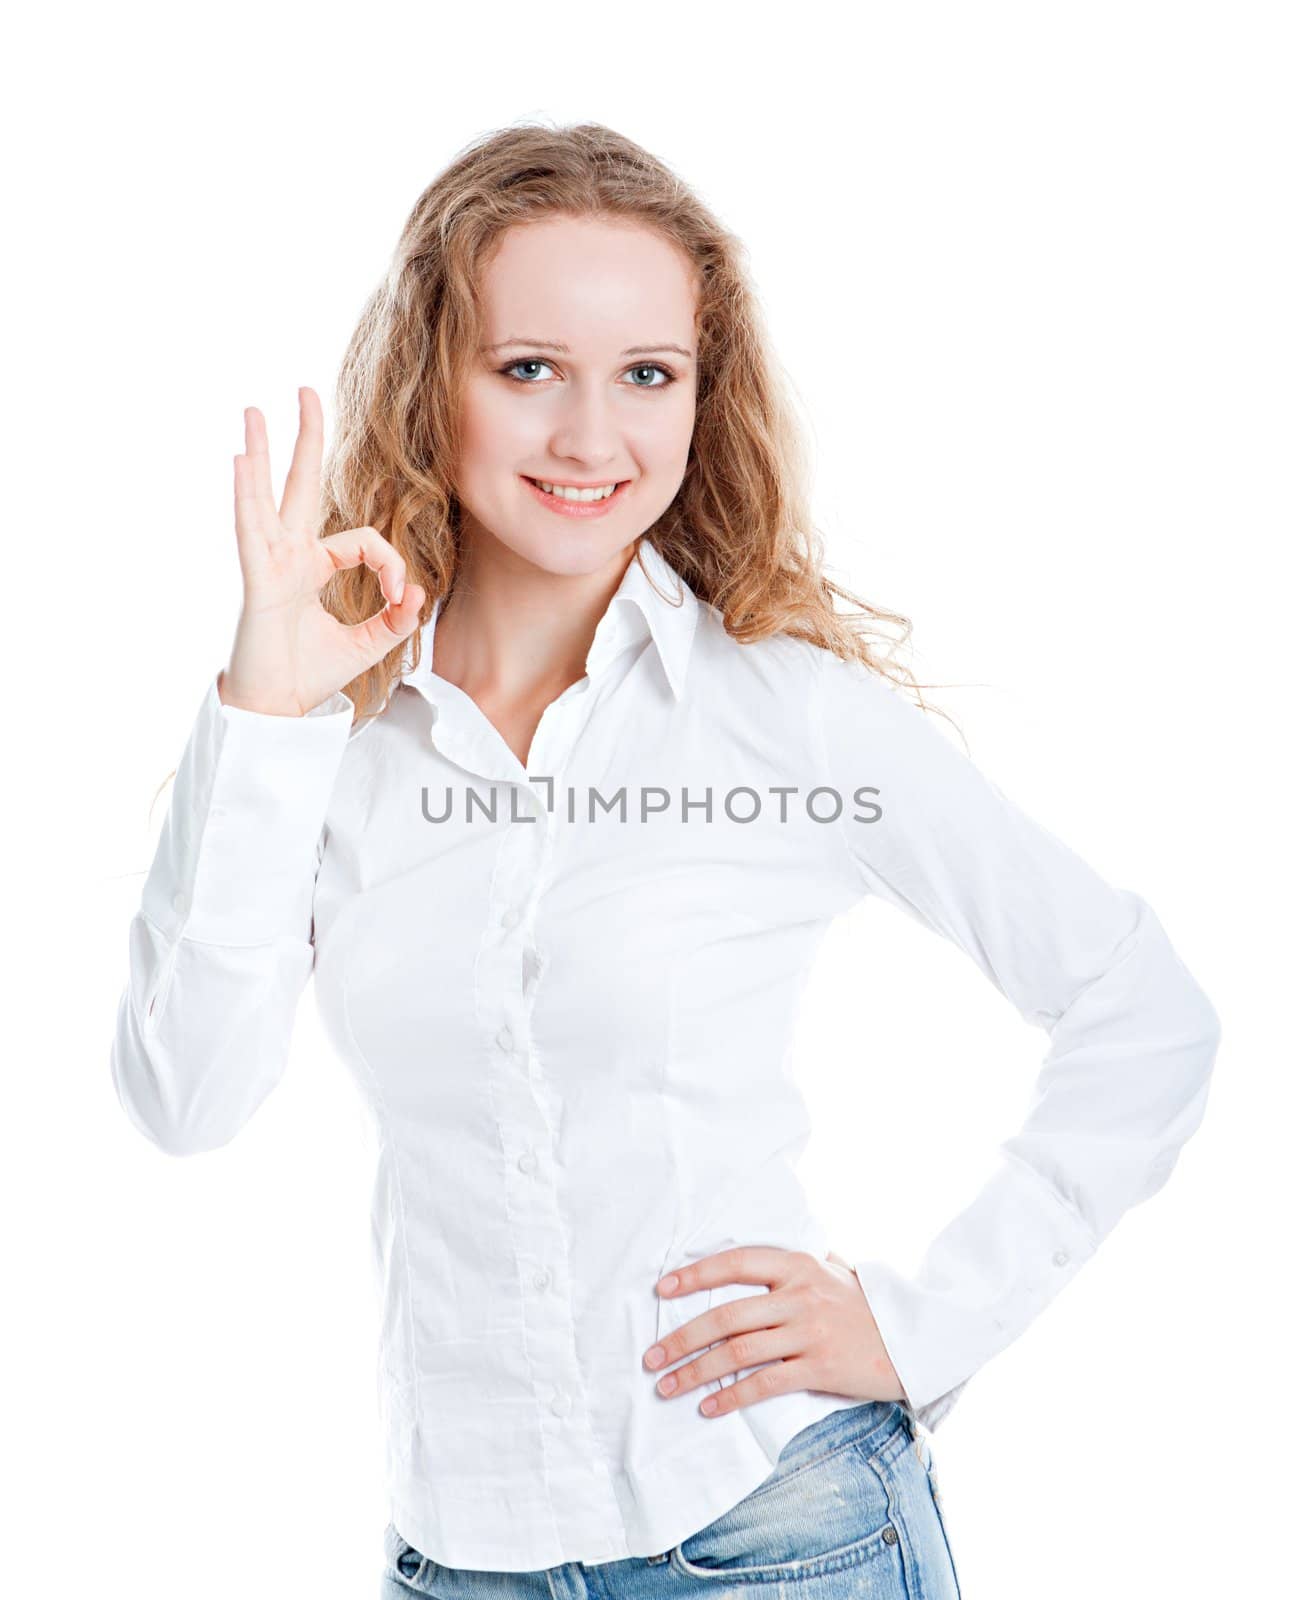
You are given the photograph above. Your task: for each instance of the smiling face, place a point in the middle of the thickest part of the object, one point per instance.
(617, 405)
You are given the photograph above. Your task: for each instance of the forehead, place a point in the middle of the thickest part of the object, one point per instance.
(589, 283)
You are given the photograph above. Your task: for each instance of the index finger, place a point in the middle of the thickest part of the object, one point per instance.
(300, 506)
(743, 1264)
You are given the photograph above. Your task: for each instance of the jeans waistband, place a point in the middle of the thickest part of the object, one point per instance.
(874, 1421)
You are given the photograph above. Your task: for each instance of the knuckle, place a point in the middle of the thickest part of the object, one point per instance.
(741, 1349)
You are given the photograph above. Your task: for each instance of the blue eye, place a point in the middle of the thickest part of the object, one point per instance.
(651, 366)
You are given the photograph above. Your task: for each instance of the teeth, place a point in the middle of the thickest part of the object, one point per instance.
(577, 494)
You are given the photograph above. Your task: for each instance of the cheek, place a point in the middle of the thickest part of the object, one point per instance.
(660, 438)
(667, 436)
(495, 432)
(663, 450)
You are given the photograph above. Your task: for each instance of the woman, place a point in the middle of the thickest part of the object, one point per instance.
(546, 750)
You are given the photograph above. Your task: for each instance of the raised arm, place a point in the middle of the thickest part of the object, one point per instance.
(222, 944)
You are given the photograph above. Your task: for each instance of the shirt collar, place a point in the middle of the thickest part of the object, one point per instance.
(636, 611)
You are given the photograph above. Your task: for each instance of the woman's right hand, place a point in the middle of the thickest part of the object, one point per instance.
(290, 654)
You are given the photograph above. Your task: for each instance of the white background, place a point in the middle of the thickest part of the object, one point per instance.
(1030, 267)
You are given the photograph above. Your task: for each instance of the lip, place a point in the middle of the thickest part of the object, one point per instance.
(577, 508)
(573, 483)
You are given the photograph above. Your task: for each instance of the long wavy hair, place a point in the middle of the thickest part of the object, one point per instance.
(739, 528)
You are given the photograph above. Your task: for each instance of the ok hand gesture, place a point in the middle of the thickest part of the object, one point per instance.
(289, 653)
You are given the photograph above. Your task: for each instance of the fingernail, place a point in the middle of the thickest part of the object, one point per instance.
(655, 1356)
(669, 1283)
(400, 590)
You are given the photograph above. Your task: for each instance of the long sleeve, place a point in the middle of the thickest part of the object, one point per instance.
(1132, 1037)
(221, 947)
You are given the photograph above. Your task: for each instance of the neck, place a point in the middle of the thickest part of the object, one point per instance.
(510, 631)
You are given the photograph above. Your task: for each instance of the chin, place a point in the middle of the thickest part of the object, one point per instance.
(572, 553)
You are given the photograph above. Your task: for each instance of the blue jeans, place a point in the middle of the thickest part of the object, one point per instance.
(852, 1508)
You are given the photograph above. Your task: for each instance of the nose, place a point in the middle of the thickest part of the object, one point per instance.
(587, 429)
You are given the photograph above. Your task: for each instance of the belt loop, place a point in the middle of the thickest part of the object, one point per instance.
(910, 1423)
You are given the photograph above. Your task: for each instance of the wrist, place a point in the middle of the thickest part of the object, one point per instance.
(232, 694)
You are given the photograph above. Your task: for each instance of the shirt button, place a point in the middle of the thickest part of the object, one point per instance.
(1060, 1259)
(511, 917)
(541, 1280)
(560, 1404)
(180, 901)
(526, 1161)
(504, 1038)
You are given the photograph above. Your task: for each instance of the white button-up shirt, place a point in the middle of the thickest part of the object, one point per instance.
(566, 993)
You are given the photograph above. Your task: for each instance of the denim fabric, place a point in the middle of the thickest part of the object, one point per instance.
(852, 1508)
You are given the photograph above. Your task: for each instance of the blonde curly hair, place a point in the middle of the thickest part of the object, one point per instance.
(738, 530)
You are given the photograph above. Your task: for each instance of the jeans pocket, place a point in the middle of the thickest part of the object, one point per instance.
(830, 1514)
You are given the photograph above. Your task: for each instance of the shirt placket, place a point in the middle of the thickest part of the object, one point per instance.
(582, 1499)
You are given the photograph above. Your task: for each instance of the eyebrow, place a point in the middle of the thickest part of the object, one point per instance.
(565, 349)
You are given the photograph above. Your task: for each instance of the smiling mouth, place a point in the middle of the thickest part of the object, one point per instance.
(616, 489)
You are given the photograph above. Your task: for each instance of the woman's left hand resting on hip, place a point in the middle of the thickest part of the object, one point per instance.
(814, 1329)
